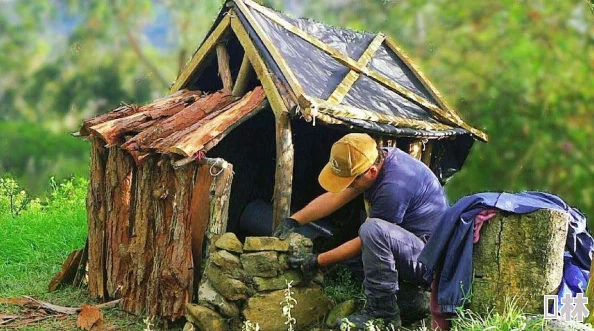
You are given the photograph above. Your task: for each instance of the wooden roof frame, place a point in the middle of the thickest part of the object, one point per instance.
(281, 103)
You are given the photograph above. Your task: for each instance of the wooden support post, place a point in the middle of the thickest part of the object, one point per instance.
(199, 216)
(426, 157)
(219, 200)
(416, 149)
(284, 169)
(246, 72)
(224, 70)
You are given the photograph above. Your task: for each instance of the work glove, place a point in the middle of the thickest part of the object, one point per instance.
(287, 226)
(308, 263)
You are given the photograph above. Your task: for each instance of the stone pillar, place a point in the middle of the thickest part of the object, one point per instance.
(521, 257)
(246, 281)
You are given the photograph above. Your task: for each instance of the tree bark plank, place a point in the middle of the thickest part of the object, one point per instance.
(96, 213)
(518, 256)
(176, 278)
(120, 112)
(146, 140)
(128, 110)
(68, 272)
(224, 70)
(164, 145)
(199, 216)
(119, 180)
(134, 290)
(195, 140)
(81, 271)
(283, 177)
(113, 131)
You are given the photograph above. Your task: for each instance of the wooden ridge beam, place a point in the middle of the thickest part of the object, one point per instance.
(201, 54)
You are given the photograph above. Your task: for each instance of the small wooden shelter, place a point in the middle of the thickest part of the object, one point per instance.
(252, 116)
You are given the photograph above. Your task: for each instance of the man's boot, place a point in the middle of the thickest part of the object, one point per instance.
(414, 303)
(381, 311)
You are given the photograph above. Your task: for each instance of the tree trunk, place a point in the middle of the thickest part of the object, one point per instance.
(520, 257)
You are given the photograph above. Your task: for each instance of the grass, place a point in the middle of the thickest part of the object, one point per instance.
(340, 285)
(33, 247)
(36, 240)
(512, 318)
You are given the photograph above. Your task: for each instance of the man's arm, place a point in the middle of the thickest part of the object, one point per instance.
(325, 205)
(341, 253)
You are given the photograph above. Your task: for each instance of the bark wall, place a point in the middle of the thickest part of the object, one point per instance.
(140, 231)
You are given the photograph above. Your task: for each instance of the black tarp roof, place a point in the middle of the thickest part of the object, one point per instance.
(361, 80)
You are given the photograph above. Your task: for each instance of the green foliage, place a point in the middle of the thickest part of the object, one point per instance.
(340, 285)
(32, 155)
(37, 240)
(13, 199)
(512, 318)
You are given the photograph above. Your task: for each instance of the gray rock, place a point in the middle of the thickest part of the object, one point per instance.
(299, 244)
(225, 260)
(265, 244)
(283, 261)
(339, 312)
(227, 286)
(261, 264)
(279, 282)
(228, 241)
(207, 294)
(205, 318)
(264, 309)
(318, 278)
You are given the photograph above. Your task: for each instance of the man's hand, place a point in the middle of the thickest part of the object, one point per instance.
(287, 226)
(308, 263)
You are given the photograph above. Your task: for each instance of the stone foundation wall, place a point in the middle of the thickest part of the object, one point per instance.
(247, 282)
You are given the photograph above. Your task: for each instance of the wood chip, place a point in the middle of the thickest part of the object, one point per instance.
(15, 301)
(88, 316)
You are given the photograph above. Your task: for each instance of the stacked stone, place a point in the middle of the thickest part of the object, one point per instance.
(247, 282)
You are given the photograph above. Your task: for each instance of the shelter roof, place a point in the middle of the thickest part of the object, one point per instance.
(340, 76)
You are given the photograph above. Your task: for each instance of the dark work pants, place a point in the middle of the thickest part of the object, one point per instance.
(389, 255)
